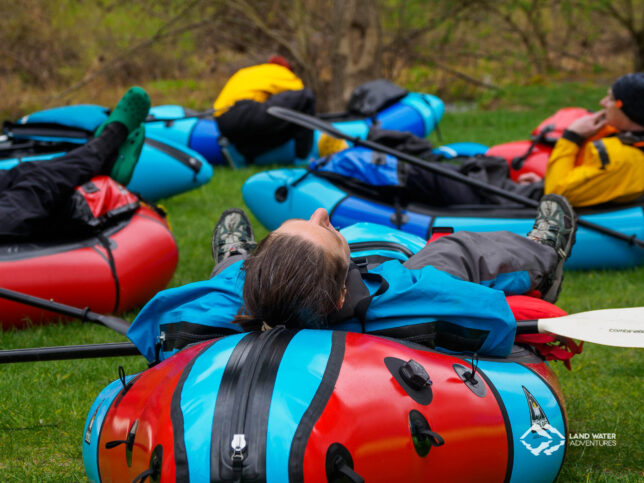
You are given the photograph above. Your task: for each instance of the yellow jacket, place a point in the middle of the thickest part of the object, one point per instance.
(256, 83)
(594, 172)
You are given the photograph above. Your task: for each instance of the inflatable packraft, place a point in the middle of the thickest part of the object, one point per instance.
(331, 405)
(116, 255)
(531, 156)
(164, 168)
(284, 406)
(367, 189)
(415, 112)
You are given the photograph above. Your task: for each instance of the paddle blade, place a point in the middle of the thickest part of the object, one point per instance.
(614, 327)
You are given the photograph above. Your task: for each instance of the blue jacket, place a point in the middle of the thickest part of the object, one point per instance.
(413, 297)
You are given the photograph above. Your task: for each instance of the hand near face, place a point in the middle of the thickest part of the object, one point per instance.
(528, 178)
(589, 125)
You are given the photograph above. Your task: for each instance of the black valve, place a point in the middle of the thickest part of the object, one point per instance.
(414, 374)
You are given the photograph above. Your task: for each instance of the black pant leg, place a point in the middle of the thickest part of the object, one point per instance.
(33, 191)
(253, 131)
(428, 187)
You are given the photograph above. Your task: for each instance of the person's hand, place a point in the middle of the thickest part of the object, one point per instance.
(589, 125)
(527, 178)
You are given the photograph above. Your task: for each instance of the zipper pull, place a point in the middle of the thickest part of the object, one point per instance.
(238, 444)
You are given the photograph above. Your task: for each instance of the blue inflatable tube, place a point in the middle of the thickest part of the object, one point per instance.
(165, 167)
(277, 195)
(416, 113)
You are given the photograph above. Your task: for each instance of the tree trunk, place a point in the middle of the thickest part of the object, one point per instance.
(356, 50)
(638, 52)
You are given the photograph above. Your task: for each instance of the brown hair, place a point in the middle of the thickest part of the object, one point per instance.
(291, 281)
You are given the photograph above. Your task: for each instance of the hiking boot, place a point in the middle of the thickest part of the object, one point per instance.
(130, 111)
(555, 226)
(233, 235)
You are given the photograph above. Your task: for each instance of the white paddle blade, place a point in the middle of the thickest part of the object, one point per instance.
(614, 327)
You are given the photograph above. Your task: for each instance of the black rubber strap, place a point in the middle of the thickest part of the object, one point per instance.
(573, 136)
(601, 150)
(105, 242)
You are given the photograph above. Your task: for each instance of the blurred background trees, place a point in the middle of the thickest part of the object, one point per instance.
(66, 51)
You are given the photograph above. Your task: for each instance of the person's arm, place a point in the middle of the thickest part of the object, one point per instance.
(592, 182)
(562, 176)
(428, 294)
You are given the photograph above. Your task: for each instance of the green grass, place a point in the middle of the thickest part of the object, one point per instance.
(43, 405)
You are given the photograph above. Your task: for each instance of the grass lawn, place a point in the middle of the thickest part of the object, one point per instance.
(43, 406)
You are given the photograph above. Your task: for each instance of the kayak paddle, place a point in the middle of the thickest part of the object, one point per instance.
(115, 323)
(613, 327)
(65, 352)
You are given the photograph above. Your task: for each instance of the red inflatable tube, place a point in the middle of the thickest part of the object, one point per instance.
(82, 274)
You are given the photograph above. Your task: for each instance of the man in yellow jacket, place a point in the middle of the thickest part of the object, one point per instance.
(600, 157)
(240, 109)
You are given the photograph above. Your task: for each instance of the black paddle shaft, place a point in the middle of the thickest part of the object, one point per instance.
(312, 122)
(114, 323)
(68, 352)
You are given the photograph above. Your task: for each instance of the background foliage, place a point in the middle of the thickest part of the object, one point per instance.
(64, 51)
(503, 66)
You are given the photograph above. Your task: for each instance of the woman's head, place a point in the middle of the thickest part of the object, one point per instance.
(297, 275)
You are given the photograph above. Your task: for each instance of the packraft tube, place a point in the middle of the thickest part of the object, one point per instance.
(311, 405)
(531, 156)
(416, 113)
(114, 270)
(277, 195)
(165, 168)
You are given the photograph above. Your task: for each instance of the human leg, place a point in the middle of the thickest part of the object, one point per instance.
(506, 261)
(32, 191)
(555, 227)
(130, 111)
(501, 259)
(434, 189)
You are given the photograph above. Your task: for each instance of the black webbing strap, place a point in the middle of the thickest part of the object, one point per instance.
(105, 242)
(603, 154)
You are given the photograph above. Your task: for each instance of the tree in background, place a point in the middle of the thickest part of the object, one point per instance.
(449, 47)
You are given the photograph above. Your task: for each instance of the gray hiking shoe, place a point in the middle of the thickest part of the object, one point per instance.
(555, 226)
(233, 234)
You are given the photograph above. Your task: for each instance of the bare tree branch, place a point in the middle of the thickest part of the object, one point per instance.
(247, 10)
(161, 33)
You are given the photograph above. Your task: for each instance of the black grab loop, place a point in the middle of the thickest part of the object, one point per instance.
(122, 376)
(471, 378)
(154, 470)
(129, 442)
(421, 434)
(339, 466)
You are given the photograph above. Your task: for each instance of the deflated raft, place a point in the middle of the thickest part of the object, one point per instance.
(128, 258)
(326, 405)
